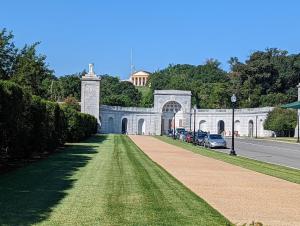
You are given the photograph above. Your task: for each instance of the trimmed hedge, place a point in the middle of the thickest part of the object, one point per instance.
(29, 124)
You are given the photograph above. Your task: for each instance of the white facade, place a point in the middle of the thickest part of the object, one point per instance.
(169, 106)
(160, 118)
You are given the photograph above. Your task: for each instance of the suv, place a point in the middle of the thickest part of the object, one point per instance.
(200, 138)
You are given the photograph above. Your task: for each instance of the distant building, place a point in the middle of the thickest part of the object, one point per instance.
(139, 78)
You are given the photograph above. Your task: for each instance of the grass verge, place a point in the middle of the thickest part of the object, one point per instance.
(106, 180)
(282, 172)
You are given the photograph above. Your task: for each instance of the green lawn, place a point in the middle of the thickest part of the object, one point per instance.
(106, 180)
(282, 172)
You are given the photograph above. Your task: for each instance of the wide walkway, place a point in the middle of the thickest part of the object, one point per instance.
(239, 194)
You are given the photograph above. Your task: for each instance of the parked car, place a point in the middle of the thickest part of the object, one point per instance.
(170, 133)
(189, 137)
(178, 131)
(200, 138)
(214, 141)
(182, 136)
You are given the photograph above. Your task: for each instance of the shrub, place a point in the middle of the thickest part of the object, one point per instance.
(79, 125)
(29, 124)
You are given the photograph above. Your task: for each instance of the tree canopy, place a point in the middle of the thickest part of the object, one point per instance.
(266, 78)
(282, 121)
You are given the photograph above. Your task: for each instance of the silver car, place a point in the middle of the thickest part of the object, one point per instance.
(214, 141)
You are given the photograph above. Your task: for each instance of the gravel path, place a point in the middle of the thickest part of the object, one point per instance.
(239, 194)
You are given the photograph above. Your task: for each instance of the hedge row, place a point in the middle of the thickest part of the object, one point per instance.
(29, 124)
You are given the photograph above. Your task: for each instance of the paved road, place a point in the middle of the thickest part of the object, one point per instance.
(268, 151)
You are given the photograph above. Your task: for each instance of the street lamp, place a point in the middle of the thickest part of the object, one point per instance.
(233, 101)
(174, 111)
(195, 108)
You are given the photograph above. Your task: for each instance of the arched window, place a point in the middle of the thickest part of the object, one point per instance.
(203, 125)
(250, 128)
(124, 125)
(141, 127)
(221, 127)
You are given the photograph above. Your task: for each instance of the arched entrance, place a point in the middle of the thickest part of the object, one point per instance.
(221, 127)
(141, 126)
(250, 128)
(169, 111)
(110, 125)
(203, 125)
(124, 125)
(237, 127)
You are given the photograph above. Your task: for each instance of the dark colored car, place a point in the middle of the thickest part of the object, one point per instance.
(189, 137)
(200, 138)
(170, 133)
(214, 141)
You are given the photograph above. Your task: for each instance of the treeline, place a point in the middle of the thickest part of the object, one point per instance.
(266, 78)
(30, 125)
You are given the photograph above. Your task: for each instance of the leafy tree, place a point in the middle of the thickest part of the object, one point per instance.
(31, 71)
(281, 121)
(71, 102)
(69, 85)
(8, 53)
(116, 92)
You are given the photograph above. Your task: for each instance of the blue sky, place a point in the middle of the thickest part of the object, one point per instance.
(75, 33)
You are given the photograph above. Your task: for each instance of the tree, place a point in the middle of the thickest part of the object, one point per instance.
(281, 121)
(116, 92)
(71, 102)
(31, 71)
(8, 53)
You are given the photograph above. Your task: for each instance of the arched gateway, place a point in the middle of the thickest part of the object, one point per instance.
(168, 117)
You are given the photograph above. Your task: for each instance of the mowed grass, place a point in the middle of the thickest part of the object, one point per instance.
(289, 174)
(106, 180)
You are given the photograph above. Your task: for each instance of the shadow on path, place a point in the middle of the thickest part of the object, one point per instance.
(29, 194)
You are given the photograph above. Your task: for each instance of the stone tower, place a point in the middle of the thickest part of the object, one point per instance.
(90, 93)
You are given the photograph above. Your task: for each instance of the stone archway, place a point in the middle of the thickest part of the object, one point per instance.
(250, 128)
(110, 125)
(237, 127)
(169, 111)
(124, 126)
(141, 126)
(203, 125)
(221, 127)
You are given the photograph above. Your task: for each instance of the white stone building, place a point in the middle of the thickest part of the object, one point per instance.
(139, 78)
(167, 104)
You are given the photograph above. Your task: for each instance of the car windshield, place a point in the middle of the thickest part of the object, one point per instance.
(215, 136)
(202, 135)
(180, 130)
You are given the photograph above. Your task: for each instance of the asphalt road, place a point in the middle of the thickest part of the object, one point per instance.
(286, 154)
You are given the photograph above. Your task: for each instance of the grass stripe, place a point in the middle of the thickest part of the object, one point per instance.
(106, 180)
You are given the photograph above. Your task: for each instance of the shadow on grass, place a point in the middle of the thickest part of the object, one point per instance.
(29, 194)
